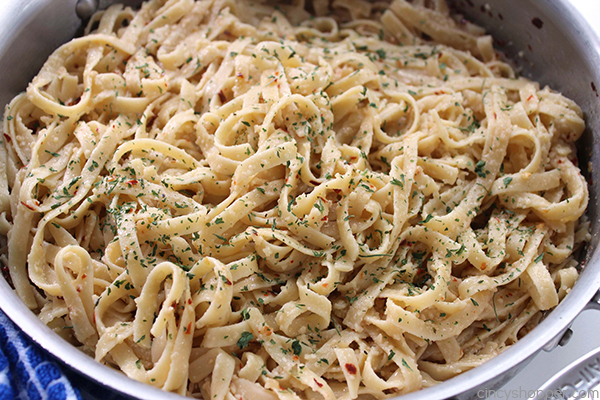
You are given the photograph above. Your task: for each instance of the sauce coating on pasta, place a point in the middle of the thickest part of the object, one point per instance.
(235, 200)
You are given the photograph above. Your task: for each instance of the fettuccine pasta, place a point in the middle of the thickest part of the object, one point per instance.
(316, 200)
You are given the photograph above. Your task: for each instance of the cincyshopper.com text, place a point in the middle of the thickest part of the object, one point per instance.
(556, 394)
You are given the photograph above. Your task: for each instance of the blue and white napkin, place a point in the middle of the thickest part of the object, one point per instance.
(26, 372)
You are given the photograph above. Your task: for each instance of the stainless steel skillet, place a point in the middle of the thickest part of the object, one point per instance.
(546, 38)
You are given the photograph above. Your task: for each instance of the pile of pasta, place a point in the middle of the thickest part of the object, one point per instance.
(322, 200)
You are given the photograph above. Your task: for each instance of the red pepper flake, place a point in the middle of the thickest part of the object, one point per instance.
(530, 97)
(28, 206)
(351, 368)
(189, 329)
(318, 383)
(132, 182)
(8, 139)
(222, 97)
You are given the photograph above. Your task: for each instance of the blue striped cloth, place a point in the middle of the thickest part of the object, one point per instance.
(26, 372)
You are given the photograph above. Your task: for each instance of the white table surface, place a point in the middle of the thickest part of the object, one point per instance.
(586, 327)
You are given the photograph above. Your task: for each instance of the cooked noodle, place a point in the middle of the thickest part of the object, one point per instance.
(235, 200)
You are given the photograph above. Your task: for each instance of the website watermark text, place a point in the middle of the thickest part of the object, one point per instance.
(539, 394)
